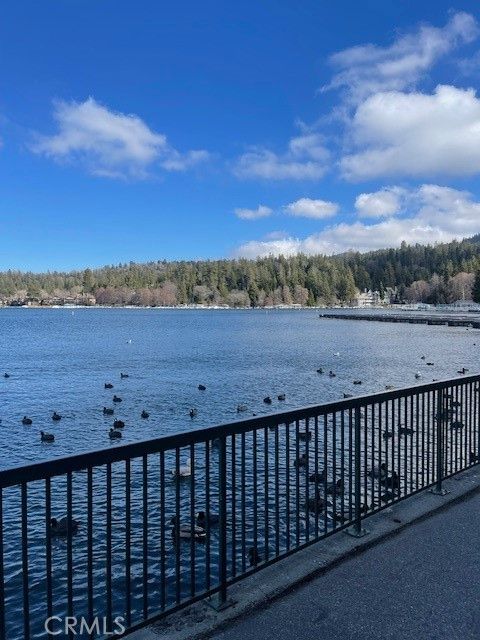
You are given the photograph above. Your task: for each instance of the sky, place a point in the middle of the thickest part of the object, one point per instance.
(146, 130)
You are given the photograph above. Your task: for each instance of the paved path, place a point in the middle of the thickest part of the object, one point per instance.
(423, 584)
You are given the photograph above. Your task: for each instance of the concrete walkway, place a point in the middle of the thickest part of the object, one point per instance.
(423, 583)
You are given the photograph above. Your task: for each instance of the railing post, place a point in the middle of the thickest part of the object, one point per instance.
(439, 490)
(357, 530)
(221, 601)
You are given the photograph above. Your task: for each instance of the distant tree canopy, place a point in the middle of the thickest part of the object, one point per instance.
(437, 273)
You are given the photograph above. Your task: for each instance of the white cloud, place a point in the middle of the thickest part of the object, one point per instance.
(367, 69)
(308, 208)
(379, 204)
(305, 159)
(438, 214)
(415, 134)
(109, 143)
(253, 214)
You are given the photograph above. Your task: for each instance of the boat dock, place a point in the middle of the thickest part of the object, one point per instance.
(409, 318)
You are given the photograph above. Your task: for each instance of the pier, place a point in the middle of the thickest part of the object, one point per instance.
(450, 320)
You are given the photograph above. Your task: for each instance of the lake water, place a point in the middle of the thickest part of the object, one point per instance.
(59, 360)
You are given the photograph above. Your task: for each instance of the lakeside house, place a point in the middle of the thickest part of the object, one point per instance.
(368, 298)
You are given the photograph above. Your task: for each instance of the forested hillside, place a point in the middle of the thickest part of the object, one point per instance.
(429, 273)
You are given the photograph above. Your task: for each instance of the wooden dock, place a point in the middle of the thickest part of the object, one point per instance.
(408, 318)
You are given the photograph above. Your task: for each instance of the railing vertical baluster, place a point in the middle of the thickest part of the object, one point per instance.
(305, 475)
(48, 549)
(357, 530)
(439, 490)
(163, 589)
(277, 495)
(350, 464)
(297, 484)
(255, 495)
(192, 520)
(2, 571)
(234, 505)
(244, 502)
(325, 471)
(128, 550)
(342, 463)
(266, 489)
(222, 534)
(26, 601)
(334, 467)
(207, 509)
(108, 546)
(176, 528)
(69, 551)
(287, 483)
(90, 545)
(145, 536)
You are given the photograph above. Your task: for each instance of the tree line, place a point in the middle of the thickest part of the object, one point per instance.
(440, 273)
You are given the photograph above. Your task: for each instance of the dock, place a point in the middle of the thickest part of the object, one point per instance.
(408, 318)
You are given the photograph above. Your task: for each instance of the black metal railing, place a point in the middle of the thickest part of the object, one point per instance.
(153, 526)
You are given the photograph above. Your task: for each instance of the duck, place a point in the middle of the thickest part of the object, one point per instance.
(336, 354)
(107, 411)
(116, 399)
(241, 407)
(315, 504)
(473, 457)
(347, 395)
(56, 416)
(184, 471)
(108, 385)
(335, 487)
(59, 527)
(378, 471)
(462, 371)
(26, 420)
(387, 496)
(6, 375)
(357, 382)
(301, 461)
(124, 375)
(118, 424)
(457, 425)
(392, 481)
(144, 414)
(304, 435)
(430, 364)
(254, 557)
(46, 437)
(418, 375)
(422, 358)
(187, 531)
(193, 412)
(203, 519)
(202, 387)
(331, 374)
(455, 404)
(320, 370)
(281, 397)
(318, 476)
(267, 400)
(389, 387)
(406, 431)
(387, 434)
(114, 434)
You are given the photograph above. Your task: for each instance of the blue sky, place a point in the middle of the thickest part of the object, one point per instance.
(146, 130)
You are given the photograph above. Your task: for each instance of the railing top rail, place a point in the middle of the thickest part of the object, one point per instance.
(81, 461)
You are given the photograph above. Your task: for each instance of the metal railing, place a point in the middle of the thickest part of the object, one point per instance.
(153, 526)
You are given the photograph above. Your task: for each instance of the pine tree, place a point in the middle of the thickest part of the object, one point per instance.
(476, 287)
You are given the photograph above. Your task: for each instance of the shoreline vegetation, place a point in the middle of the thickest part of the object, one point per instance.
(440, 274)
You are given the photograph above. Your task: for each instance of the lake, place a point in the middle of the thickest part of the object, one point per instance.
(59, 360)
